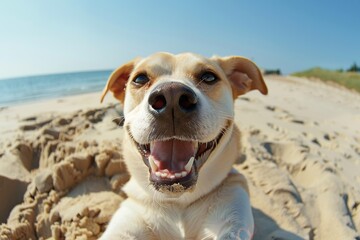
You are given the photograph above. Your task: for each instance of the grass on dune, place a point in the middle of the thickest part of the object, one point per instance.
(347, 79)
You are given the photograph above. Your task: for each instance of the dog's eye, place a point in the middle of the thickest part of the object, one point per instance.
(141, 79)
(208, 77)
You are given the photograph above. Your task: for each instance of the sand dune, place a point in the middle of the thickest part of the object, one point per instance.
(61, 171)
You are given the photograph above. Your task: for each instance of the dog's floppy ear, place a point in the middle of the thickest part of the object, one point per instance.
(117, 81)
(243, 74)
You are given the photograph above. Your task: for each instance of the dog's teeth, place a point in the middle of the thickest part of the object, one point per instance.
(153, 165)
(171, 176)
(151, 146)
(196, 144)
(183, 173)
(163, 175)
(188, 166)
(158, 174)
(177, 175)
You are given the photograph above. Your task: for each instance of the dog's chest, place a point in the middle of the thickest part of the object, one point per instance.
(179, 223)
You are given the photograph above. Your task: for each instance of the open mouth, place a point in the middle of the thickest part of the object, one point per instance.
(174, 162)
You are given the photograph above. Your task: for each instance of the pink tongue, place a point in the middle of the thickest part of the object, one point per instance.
(172, 154)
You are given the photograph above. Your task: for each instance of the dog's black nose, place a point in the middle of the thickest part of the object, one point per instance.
(172, 96)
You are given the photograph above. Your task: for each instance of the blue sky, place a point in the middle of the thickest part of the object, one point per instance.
(41, 36)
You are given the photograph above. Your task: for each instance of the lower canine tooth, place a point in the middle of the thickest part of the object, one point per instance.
(164, 175)
(183, 173)
(158, 174)
(153, 166)
(188, 166)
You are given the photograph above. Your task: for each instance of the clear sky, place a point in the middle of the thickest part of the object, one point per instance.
(41, 36)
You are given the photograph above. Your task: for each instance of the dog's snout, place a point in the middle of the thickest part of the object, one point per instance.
(173, 96)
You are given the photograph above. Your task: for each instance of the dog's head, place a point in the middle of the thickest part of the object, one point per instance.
(177, 109)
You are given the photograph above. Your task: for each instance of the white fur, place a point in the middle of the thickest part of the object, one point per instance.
(217, 208)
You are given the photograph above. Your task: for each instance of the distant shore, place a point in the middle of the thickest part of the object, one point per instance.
(349, 80)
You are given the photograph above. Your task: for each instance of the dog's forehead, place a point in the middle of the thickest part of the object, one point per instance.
(166, 63)
(158, 62)
(188, 62)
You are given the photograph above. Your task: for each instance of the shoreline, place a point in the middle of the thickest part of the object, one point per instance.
(74, 94)
(34, 88)
(57, 99)
(39, 100)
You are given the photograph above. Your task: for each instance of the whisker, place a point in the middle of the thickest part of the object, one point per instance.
(197, 85)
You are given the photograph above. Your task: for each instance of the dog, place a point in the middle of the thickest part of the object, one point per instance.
(179, 145)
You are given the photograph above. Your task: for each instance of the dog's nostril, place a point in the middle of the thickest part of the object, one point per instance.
(159, 102)
(188, 102)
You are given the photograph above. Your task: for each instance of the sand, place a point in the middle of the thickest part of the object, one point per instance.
(61, 168)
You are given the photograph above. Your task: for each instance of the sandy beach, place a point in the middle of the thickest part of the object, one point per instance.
(61, 169)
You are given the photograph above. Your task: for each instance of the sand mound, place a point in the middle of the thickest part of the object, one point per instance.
(61, 173)
(74, 185)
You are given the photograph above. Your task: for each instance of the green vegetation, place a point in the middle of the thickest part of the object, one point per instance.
(272, 72)
(354, 68)
(347, 79)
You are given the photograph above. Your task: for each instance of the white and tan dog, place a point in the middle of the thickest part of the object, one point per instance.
(179, 146)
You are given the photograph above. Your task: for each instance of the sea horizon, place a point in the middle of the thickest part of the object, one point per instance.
(25, 89)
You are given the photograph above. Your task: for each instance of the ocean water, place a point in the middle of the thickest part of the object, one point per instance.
(26, 89)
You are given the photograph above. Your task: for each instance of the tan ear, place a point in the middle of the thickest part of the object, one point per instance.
(117, 81)
(243, 74)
